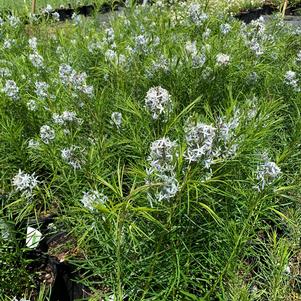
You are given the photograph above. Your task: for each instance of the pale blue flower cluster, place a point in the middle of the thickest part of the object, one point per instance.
(158, 102)
(93, 197)
(162, 170)
(25, 183)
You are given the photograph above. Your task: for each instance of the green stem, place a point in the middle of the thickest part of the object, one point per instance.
(234, 249)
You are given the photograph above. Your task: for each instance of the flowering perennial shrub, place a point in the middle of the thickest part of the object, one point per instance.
(144, 138)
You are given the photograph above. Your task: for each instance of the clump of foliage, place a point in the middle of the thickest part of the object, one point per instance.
(167, 143)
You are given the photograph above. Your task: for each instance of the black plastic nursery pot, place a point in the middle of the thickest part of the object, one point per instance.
(266, 10)
(51, 269)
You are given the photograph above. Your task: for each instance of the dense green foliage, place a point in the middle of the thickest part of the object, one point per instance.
(168, 145)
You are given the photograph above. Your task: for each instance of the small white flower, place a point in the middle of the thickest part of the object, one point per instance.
(110, 35)
(69, 76)
(8, 43)
(266, 173)
(71, 156)
(116, 118)
(47, 134)
(207, 73)
(41, 89)
(141, 41)
(57, 119)
(158, 102)
(69, 116)
(191, 48)
(162, 154)
(32, 105)
(56, 16)
(36, 59)
(94, 46)
(225, 28)
(206, 33)
(24, 182)
(92, 198)
(13, 21)
(169, 188)
(77, 18)
(196, 14)
(33, 43)
(110, 55)
(199, 140)
(290, 78)
(222, 59)
(11, 89)
(48, 9)
(255, 47)
(33, 144)
(5, 72)
(298, 58)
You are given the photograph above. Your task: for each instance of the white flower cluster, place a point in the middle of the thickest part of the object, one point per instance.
(24, 182)
(32, 105)
(48, 9)
(47, 134)
(198, 60)
(116, 119)
(65, 118)
(267, 172)
(107, 41)
(76, 18)
(225, 28)
(69, 76)
(33, 144)
(291, 79)
(199, 139)
(141, 43)
(56, 16)
(158, 102)
(222, 59)
(35, 58)
(109, 35)
(206, 34)
(5, 72)
(254, 35)
(92, 198)
(197, 16)
(255, 47)
(206, 142)
(298, 58)
(162, 164)
(41, 89)
(71, 156)
(22, 299)
(8, 43)
(161, 64)
(162, 155)
(33, 43)
(226, 142)
(94, 46)
(110, 55)
(207, 74)
(13, 21)
(11, 89)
